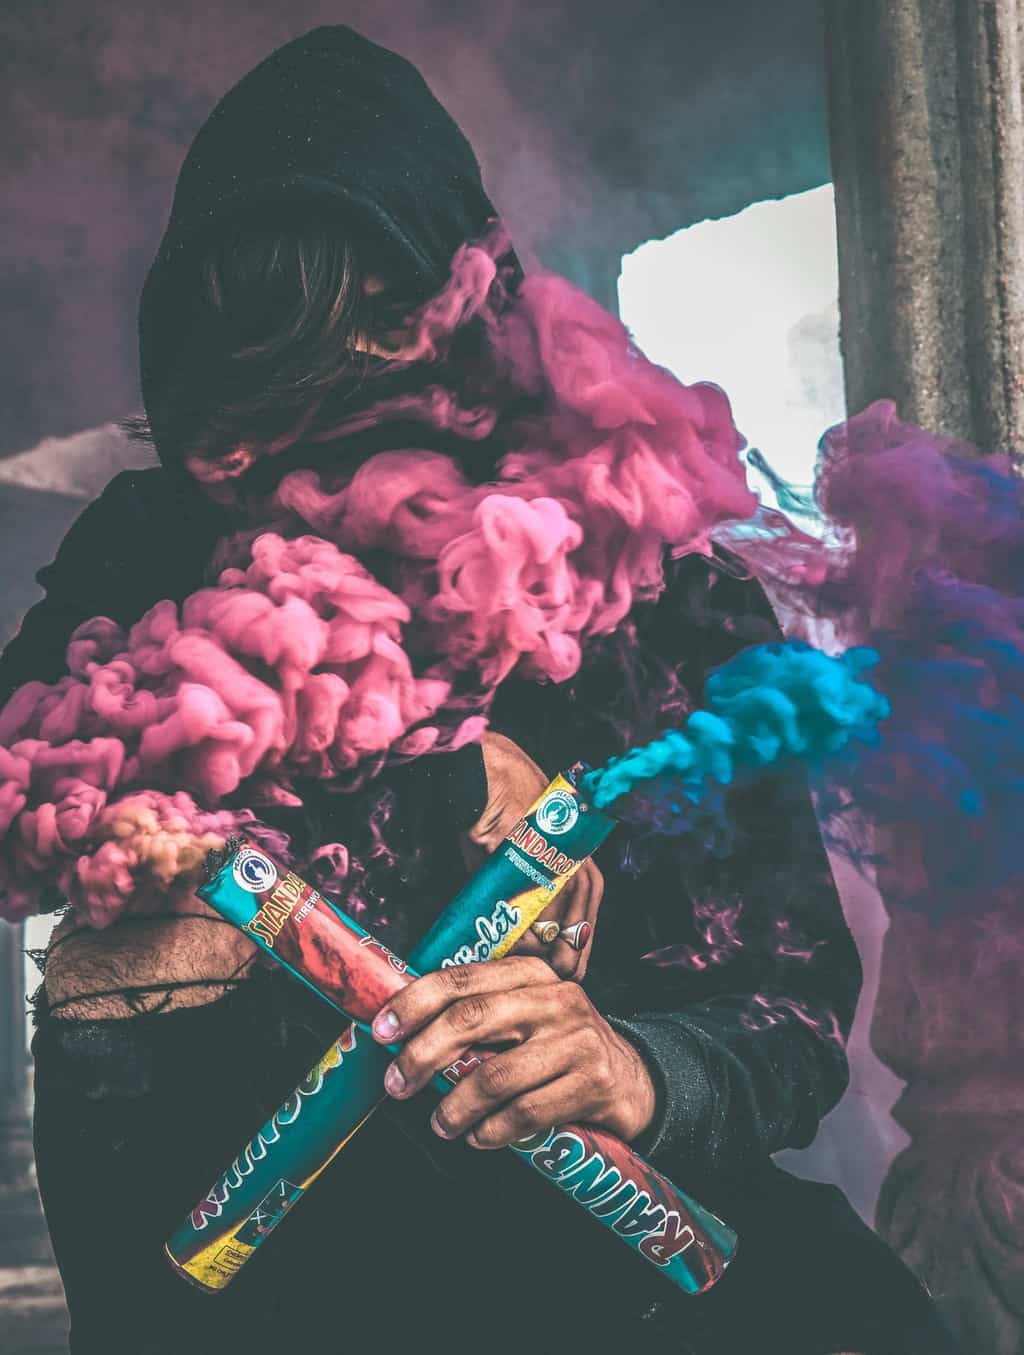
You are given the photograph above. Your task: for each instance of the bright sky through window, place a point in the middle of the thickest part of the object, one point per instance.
(750, 303)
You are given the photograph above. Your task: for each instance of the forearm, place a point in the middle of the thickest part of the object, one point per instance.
(144, 964)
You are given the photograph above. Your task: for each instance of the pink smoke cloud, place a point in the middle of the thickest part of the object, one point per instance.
(300, 661)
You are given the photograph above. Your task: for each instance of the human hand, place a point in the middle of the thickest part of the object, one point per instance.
(559, 1060)
(514, 781)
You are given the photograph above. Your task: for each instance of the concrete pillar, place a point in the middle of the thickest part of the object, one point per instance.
(22, 1234)
(927, 137)
(13, 1063)
(927, 141)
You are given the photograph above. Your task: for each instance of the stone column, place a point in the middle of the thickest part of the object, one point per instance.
(22, 1234)
(927, 138)
(928, 161)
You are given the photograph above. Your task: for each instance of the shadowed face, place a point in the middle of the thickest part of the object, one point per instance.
(394, 332)
(291, 314)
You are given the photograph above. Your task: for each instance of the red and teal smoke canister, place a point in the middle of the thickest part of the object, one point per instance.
(347, 966)
(490, 913)
(359, 975)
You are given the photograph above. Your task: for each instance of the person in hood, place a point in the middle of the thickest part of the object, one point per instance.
(324, 197)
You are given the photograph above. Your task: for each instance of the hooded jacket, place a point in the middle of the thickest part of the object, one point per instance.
(333, 118)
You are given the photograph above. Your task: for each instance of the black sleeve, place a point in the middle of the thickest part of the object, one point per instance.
(143, 539)
(746, 1031)
(754, 1057)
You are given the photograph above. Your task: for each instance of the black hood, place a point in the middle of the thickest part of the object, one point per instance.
(336, 119)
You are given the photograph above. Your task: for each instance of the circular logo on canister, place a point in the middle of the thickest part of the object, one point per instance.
(557, 813)
(254, 872)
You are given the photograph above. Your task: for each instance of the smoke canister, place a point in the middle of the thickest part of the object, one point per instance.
(359, 974)
(498, 904)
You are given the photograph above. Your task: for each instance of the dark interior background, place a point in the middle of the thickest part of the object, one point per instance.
(599, 125)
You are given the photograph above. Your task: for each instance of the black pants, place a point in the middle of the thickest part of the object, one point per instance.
(136, 1118)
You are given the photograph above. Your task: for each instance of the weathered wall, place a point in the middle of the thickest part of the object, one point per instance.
(598, 125)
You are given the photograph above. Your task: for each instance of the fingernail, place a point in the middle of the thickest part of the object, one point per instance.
(394, 1082)
(438, 1128)
(472, 1139)
(385, 1026)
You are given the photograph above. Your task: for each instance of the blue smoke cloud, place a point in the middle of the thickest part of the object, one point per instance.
(769, 706)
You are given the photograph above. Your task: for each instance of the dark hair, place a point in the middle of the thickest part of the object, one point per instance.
(269, 342)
